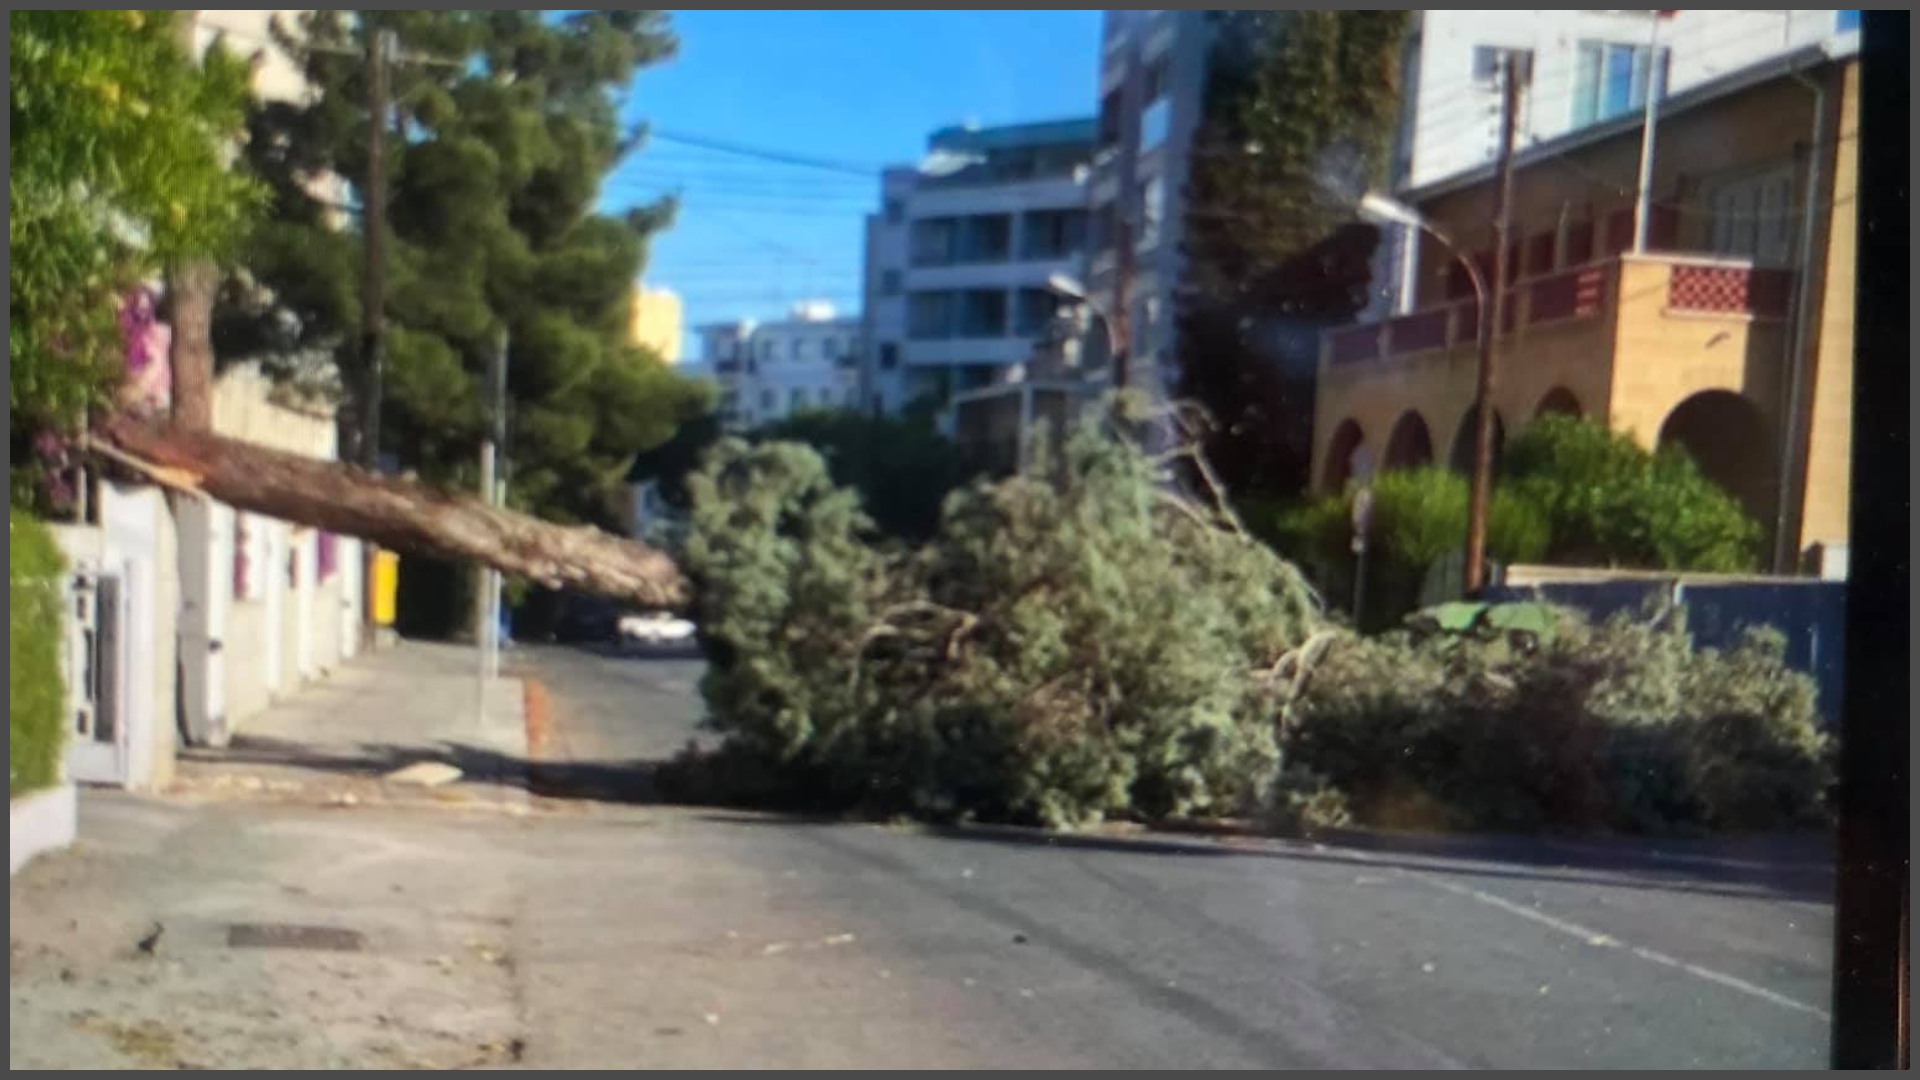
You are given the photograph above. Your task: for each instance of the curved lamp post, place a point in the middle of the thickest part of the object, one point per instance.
(1383, 209)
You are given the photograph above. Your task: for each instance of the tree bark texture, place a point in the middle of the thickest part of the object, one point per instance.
(190, 295)
(402, 514)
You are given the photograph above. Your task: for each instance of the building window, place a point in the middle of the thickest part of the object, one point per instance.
(1752, 216)
(1157, 114)
(1610, 80)
(1102, 225)
(1110, 119)
(766, 400)
(829, 348)
(889, 356)
(1153, 210)
(931, 242)
(1033, 309)
(889, 283)
(796, 399)
(982, 313)
(929, 315)
(797, 349)
(1053, 234)
(896, 211)
(984, 238)
(1155, 121)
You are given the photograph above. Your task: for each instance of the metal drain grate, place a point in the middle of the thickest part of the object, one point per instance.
(293, 936)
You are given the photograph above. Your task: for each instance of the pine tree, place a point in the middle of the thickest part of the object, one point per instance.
(504, 125)
(1298, 113)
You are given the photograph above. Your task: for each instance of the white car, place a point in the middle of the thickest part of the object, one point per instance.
(655, 628)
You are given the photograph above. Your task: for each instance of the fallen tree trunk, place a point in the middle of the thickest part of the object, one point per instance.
(401, 514)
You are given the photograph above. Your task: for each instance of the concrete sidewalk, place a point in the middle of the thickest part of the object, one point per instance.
(342, 739)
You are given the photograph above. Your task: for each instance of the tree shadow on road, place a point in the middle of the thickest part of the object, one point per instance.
(1796, 868)
(1500, 858)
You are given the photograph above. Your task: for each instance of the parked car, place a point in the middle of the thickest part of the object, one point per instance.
(655, 628)
(587, 619)
(1524, 627)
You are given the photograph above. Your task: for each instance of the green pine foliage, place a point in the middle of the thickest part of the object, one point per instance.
(1078, 643)
(36, 688)
(1063, 650)
(507, 125)
(1297, 118)
(1624, 726)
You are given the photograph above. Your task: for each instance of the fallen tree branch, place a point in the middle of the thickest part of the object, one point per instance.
(404, 515)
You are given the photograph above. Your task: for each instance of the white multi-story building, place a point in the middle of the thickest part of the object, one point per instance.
(769, 371)
(1588, 67)
(959, 258)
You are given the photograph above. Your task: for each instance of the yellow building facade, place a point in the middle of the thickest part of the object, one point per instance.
(656, 322)
(1732, 335)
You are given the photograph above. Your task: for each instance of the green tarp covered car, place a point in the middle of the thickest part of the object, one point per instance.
(1524, 626)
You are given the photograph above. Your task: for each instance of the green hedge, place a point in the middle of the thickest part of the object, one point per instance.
(36, 692)
(1623, 726)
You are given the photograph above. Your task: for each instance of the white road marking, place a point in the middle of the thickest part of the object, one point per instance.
(1600, 940)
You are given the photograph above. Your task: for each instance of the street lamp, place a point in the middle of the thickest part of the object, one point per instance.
(1383, 209)
(1071, 288)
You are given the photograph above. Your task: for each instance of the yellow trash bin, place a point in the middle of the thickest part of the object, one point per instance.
(386, 586)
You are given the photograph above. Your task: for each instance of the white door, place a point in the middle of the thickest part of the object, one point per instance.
(306, 563)
(96, 660)
(351, 593)
(206, 583)
(275, 579)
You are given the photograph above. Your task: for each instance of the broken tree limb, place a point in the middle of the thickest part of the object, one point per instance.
(401, 514)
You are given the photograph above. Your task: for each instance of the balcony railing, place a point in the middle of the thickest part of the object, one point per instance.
(1695, 286)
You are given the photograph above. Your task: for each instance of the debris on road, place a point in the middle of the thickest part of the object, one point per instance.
(425, 774)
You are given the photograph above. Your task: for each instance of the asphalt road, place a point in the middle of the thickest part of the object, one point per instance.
(1013, 948)
(597, 929)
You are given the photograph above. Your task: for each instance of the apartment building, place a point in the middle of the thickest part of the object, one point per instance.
(1588, 67)
(1153, 68)
(1731, 335)
(769, 371)
(959, 258)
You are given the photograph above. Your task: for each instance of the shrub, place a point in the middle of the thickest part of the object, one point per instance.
(36, 689)
(1622, 726)
(1419, 517)
(1607, 501)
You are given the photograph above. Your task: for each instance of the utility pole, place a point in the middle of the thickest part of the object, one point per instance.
(1515, 67)
(1643, 194)
(488, 609)
(373, 294)
(1119, 319)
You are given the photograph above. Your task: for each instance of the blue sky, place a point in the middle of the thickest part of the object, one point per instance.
(861, 87)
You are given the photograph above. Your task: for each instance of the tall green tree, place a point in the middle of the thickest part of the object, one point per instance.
(1298, 115)
(503, 127)
(117, 166)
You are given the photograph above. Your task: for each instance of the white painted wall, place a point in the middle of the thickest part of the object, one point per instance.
(1456, 119)
(135, 541)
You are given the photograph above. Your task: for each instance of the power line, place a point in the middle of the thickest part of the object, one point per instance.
(782, 156)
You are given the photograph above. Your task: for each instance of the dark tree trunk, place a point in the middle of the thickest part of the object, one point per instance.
(190, 295)
(401, 514)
